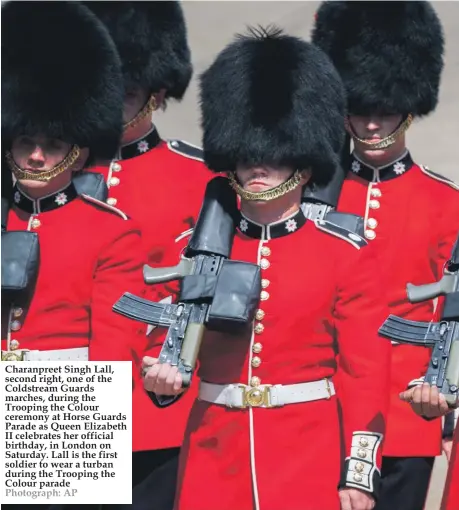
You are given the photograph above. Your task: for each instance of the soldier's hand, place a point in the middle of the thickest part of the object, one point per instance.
(161, 378)
(426, 401)
(354, 499)
(447, 447)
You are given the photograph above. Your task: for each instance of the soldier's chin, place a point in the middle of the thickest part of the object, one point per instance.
(369, 153)
(32, 184)
(129, 113)
(375, 154)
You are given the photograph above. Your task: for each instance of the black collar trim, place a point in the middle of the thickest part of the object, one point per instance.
(278, 229)
(140, 146)
(385, 173)
(48, 203)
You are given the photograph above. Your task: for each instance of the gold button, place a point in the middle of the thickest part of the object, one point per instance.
(17, 312)
(255, 381)
(15, 326)
(375, 192)
(260, 315)
(36, 223)
(114, 181)
(256, 348)
(374, 204)
(265, 283)
(361, 453)
(111, 201)
(363, 441)
(370, 234)
(372, 223)
(14, 344)
(358, 477)
(256, 362)
(265, 251)
(264, 264)
(359, 467)
(264, 295)
(116, 167)
(259, 328)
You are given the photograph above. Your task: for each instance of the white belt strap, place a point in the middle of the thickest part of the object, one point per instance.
(77, 354)
(242, 396)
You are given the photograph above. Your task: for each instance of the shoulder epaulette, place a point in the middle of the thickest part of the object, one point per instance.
(186, 149)
(92, 184)
(426, 170)
(184, 234)
(341, 232)
(104, 205)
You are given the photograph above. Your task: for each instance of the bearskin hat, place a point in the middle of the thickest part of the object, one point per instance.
(389, 54)
(151, 38)
(270, 98)
(61, 76)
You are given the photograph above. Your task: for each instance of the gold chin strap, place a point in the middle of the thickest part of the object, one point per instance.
(385, 142)
(46, 175)
(287, 186)
(146, 110)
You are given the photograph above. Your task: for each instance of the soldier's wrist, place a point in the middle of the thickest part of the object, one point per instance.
(360, 470)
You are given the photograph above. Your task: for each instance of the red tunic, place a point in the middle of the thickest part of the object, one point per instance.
(89, 256)
(451, 493)
(319, 296)
(161, 185)
(411, 217)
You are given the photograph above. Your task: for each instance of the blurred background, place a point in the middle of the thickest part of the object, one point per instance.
(433, 141)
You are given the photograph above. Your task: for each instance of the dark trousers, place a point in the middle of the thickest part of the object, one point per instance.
(404, 483)
(145, 463)
(154, 478)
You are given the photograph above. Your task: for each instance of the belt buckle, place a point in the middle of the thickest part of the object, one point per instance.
(14, 355)
(256, 397)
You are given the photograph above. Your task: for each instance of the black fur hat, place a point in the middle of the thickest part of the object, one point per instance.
(151, 38)
(61, 76)
(389, 54)
(270, 98)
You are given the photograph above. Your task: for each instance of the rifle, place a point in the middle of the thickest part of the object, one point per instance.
(215, 292)
(443, 336)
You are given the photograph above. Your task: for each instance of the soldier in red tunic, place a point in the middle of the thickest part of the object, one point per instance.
(58, 114)
(390, 56)
(147, 172)
(265, 432)
(149, 177)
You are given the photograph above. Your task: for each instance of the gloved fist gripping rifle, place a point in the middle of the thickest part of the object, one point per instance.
(215, 293)
(443, 336)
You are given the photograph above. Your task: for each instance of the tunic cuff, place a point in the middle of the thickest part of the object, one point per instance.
(360, 469)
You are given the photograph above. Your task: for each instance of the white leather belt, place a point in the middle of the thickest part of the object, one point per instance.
(77, 354)
(242, 396)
